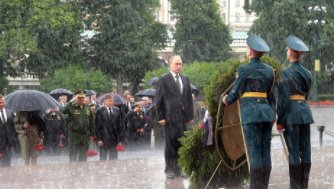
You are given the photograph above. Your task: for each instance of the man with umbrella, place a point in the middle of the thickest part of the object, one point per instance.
(8, 136)
(80, 124)
(30, 127)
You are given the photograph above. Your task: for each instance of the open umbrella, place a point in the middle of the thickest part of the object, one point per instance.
(146, 92)
(118, 99)
(194, 90)
(30, 100)
(153, 81)
(90, 92)
(55, 93)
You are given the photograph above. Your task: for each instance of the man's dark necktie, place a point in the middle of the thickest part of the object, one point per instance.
(2, 117)
(178, 84)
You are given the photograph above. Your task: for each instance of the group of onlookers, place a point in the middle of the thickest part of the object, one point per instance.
(80, 124)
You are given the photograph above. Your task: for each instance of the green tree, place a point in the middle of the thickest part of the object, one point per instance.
(279, 19)
(15, 40)
(56, 28)
(201, 34)
(37, 36)
(128, 38)
(200, 73)
(75, 78)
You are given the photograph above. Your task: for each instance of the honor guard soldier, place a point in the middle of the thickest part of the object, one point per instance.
(80, 127)
(294, 114)
(253, 85)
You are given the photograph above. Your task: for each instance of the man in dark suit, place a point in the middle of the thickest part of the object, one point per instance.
(109, 129)
(7, 133)
(175, 109)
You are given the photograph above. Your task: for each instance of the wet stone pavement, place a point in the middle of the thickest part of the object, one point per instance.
(145, 169)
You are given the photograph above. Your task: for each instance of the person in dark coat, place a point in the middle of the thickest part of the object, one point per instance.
(146, 103)
(135, 126)
(55, 131)
(175, 110)
(110, 130)
(253, 86)
(294, 114)
(8, 136)
(129, 102)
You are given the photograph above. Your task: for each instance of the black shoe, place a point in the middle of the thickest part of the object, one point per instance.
(170, 175)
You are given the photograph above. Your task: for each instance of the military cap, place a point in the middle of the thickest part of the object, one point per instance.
(256, 43)
(136, 105)
(296, 44)
(80, 93)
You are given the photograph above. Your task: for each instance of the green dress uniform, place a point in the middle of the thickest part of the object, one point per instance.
(253, 86)
(296, 116)
(80, 124)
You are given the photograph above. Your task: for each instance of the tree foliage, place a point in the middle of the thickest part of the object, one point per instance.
(279, 19)
(200, 33)
(56, 29)
(37, 36)
(128, 38)
(75, 78)
(200, 73)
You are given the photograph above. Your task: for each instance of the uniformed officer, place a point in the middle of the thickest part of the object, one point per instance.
(294, 114)
(253, 86)
(55, 131)
(135, 123)
(80, 127)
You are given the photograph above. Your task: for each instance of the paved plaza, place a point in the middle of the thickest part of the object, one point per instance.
(145, 169)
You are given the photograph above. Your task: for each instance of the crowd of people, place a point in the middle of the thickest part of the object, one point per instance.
(79, 124)
(113, 127)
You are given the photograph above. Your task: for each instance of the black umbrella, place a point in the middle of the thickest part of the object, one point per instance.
(194, 90)
(153, 81)
(146, 92)
(30, 100)
(118, 99)
(58, 92)
(90, 92)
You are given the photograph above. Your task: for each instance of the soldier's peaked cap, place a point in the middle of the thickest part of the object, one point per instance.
(255, 42)
(296, 44)
(80, 93)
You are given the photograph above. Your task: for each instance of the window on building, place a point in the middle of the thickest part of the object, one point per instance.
(157, 15)
(223, 3)
(224, 16)
(237, 17)
(237, 3)
(172, 17)
(247, 17)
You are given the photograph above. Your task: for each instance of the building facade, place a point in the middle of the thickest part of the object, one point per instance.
(232, 13)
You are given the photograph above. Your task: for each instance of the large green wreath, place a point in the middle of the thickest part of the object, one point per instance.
(200, 162)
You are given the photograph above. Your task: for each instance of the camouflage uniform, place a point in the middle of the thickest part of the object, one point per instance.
(80, 124)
